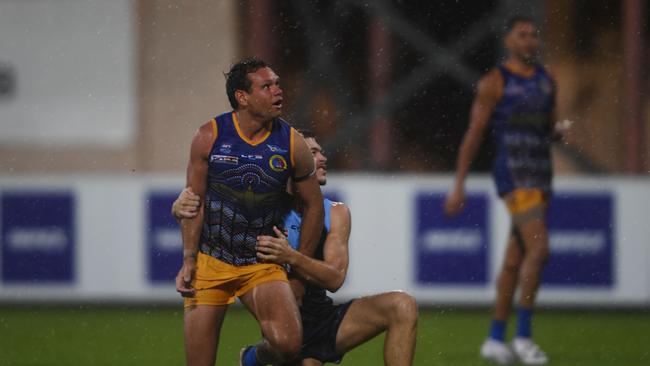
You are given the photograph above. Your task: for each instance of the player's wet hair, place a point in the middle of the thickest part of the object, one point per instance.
(516, 19)
(306, 133)
(236, 78)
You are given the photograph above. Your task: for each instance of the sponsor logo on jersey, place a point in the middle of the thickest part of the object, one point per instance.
(225, 148)
(224, 159)
(278, 163)
(276, 149)
(251, 157)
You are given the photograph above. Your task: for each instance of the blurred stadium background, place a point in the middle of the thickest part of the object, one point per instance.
(99, 100)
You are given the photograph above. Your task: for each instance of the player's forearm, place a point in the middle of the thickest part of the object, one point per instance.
(318, 272)
(311, 228)
(176, 211)
(467, 153)
(191, 233)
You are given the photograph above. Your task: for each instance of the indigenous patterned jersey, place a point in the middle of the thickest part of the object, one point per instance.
(246, 189)
(522, 125)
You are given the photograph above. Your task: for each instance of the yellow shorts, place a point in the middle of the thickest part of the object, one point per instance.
(522, 200)
(218, 283)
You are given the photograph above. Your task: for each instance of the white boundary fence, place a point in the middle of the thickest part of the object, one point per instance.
(111, 238)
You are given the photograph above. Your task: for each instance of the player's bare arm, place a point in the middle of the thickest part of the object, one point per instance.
(197, 170)
(331, 271)
(310, 199)
(559, 128)
(489, 90)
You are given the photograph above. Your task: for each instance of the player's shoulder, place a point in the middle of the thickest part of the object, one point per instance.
(339, 209)
(492, 78)
(493, 72)
(491, 85)
(340, 220)
(207, 129)
(548, 70)
(207, 126)
(283, 124)
(206, 133)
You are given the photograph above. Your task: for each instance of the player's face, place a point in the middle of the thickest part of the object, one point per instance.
(265, 97)
(523, 41)
(320, 160)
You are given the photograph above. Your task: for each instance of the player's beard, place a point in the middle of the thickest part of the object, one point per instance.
(528, 58)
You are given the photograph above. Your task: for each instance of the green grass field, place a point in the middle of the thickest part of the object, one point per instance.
(117, 336)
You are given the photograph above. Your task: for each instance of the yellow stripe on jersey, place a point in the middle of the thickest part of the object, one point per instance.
(292, 140)
(235, 120)
(215, 131)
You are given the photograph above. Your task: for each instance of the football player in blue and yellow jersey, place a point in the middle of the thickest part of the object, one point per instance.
(240, 164)
(516, 101)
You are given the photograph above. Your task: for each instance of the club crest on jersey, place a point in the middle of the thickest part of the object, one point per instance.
(225, 148)
(278, 163)
(276, 149)
(224, 159)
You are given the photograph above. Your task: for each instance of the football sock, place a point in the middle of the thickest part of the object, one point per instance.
(524, 320)
(498, 330)
(250, 357)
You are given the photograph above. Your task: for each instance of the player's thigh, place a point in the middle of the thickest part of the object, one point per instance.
(528, 209)
(534, 234)
(369, 316)
(204, 319)
(202, 324)
(274, 306)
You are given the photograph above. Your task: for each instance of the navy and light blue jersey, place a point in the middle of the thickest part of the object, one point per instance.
(294, 220)
(246, 189)
(522, 126)
(315, 298)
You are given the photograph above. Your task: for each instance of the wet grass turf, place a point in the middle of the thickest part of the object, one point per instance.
(140, 336)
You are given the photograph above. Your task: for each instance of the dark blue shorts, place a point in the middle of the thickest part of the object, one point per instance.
(319, 335)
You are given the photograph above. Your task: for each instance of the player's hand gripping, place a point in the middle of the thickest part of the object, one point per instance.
(185, 277)
(455, 202)
(275, 249)
(186, 205)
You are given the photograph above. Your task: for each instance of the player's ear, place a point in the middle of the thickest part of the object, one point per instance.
(242, 98)
(507, 40)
